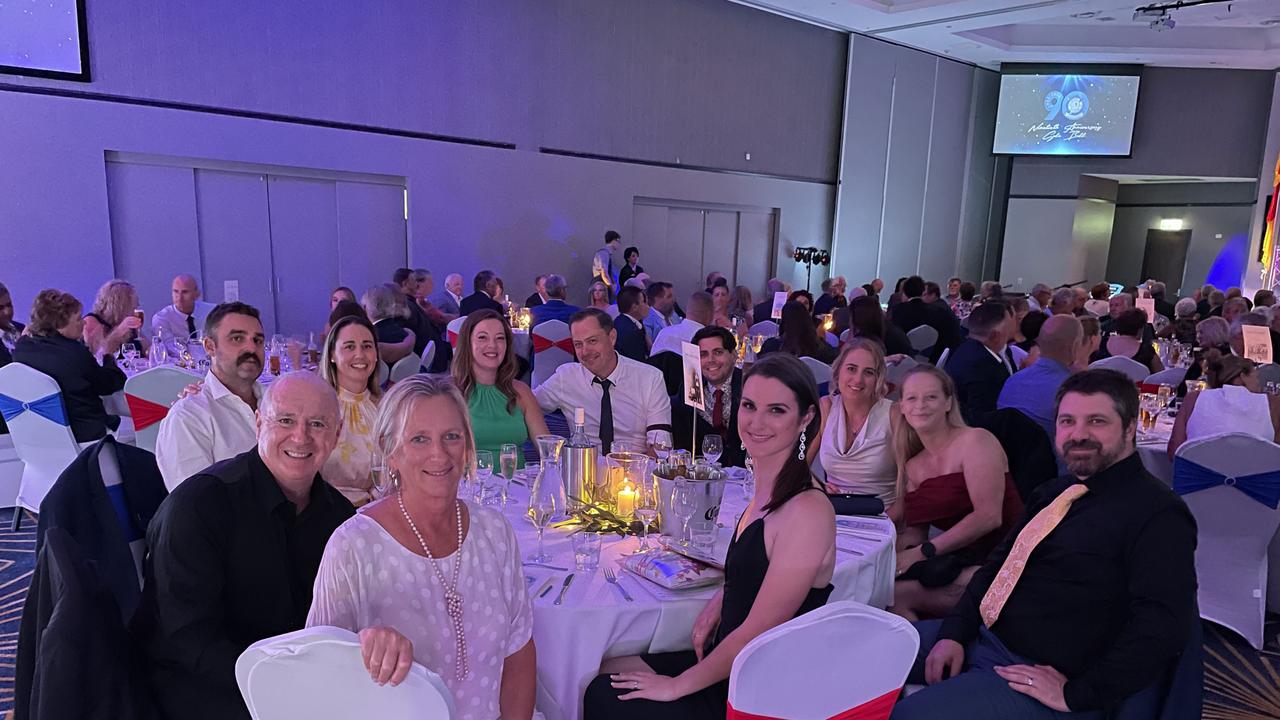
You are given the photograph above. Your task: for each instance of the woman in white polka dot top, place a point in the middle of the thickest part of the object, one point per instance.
(424, 576)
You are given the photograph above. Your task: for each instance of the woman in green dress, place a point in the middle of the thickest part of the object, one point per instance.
(503, 409)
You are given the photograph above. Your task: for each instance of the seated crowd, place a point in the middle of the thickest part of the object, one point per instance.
(260, 533)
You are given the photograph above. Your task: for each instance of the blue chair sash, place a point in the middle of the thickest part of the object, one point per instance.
(1189, 477)
(48, 407)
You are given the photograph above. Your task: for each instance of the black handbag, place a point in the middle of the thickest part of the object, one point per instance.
(846, 504)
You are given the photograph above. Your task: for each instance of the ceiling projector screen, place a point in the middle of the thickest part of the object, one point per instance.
(45, 39)
(1066, 114)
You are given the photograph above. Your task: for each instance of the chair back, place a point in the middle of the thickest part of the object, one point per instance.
(1168, 376)
(150, 394)
(109, 467)
(942, 359)
(453, 328)
(552, 347)
(1128, 367)
(405, 367)
(833, 340)
(428, 356)
(319, 673)
(765, 329)
(31, 404)
(922, 337)
(894, 375)
(384, 372)
(821, 371)
(1231, 483)
(789, 671)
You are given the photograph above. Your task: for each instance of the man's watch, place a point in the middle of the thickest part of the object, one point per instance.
(928, 550)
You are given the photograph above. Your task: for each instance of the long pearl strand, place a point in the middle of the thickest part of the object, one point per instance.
(452, 599)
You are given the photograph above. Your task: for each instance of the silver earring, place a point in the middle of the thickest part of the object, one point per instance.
(801, 453)
(395, 479)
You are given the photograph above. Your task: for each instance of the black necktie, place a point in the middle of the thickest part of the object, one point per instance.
(191, 325)
(606, 415)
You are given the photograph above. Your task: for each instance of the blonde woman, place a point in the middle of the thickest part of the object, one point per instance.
(856, 437)
(113, 323)
(951, 477)
(598, 296)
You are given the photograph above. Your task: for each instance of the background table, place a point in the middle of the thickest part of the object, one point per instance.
(595, 622)
(1153, 449)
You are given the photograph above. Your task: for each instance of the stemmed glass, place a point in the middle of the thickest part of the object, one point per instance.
(484, 471)
(507, 459)
(683, 502)
(646, 511)
(662, 446)
(712, 448)
(378, 475)
(543, 504)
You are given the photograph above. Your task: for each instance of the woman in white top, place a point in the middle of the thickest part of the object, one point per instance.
(349, 363)
(440, 577)
(1233, 403)
(856, 445)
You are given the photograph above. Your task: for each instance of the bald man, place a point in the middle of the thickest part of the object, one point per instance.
(185, 317)
(1033, 390)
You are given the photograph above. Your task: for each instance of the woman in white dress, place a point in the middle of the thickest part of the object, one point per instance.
(1233, 403)
(856, 445)
(425, 577)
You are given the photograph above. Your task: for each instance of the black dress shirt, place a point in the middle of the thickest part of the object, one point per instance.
(229, 562)
(1108, 598)
(82, 380)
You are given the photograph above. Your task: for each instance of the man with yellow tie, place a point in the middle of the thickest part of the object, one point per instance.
(1084, 607)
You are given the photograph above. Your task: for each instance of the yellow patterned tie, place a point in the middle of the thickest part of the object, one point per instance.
(1038, 529)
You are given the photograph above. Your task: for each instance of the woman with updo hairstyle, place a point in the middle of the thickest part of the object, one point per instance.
(1233, 402)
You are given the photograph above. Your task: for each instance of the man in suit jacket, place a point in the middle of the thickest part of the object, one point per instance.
(449, 298)
(764, 310)
(539, 295)
(721, 392)
(981, 364)
(555, 308)
(484, 285)
(632, 341)
(916, 312)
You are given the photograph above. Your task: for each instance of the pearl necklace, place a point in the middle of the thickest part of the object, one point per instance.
(452, 599)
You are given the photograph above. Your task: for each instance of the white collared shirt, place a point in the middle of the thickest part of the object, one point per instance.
(174, 322)
(1000, 358)
(202, 429)
(638, 399)
(669, 338)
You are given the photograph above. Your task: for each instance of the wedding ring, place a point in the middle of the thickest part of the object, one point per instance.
(635, 686)
(1031, 682)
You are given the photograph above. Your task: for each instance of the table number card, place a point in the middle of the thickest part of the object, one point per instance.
(1147, 305)
(1257, 343)
(779, 299)
(691, 355)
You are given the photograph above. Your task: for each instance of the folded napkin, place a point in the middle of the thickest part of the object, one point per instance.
(672, 571)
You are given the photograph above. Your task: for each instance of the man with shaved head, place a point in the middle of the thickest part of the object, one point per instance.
(234, 550)
(185, 317)
(1032, 391)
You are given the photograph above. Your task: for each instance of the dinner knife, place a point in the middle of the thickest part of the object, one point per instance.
(564, 589)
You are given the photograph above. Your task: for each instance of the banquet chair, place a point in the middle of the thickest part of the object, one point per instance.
(31, 403)
(922, 337)
(319, 673)
(1231, 483)
(833, 340)
(1128, 367)
(1268, 373)
(1168, 376)
(821, 372)
(150, 394)
(942, 359)
(552, 347)
(788, 671)
(428, 356)
(895, 373)
(406, 366)
(765, 329)
(453, 328)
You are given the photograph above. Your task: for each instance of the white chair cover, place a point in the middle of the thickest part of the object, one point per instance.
(453, 328)
(384, 371)
(894, 375)
(765, 329)
(1128, 367)
(428, 355)
(832, 340)
(1168, 376)
(821, 371)
(40, 429)
(318, 673)
(109, 467)
(922, 337)
(552, 347)
(1268, 373)
(842, 656)
(150, 394)
(942, 359)
(405, 367)
(1235, 531)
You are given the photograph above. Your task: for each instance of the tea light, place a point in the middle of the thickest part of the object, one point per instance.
(626, 499)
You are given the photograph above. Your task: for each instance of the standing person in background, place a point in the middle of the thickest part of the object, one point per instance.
(113, 322)
(539, 295)
(633, 308)
(449, 298)
(632, 267)
(662, 303)
(185, 317)
(602, 264)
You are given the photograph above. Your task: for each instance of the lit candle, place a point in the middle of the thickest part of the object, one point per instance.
(626, 500)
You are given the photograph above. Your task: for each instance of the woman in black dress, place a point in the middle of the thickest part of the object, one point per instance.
(779, 564)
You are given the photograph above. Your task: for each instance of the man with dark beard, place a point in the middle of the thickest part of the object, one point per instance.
(217, 422)
(1086, 604)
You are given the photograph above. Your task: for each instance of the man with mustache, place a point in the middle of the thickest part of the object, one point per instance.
(1084, 607)
(217, 422)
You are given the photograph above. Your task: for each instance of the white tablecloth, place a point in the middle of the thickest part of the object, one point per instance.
(1153, 449)
(595, 622)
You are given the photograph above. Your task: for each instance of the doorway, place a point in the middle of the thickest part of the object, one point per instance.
(1165, 258)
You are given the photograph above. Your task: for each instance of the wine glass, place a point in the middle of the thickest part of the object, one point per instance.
(484, 471)
(130, 353)
(712, 448)
(543, 505)
(378, 477)
(684, 501)
(662, 446)
(507, 459)
(646, 511)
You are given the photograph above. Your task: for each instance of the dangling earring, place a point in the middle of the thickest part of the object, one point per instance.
(743, 445)
(395, 480)
(801, 453)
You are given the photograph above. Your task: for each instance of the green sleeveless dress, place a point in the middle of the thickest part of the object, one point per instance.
(493, 426)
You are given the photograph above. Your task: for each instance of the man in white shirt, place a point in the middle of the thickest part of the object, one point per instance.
(698, 314)
(602, 262)
(186, 315)
(219, 421)
(623, 400)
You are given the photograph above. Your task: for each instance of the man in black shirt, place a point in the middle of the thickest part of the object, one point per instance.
(234, 550)
(1092, 614)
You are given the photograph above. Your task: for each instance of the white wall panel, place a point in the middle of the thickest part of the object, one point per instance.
(153, 229)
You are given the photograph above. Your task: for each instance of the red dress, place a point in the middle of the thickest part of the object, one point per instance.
(943, 501)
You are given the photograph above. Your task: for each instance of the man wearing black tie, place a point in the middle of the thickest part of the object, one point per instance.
(622, 399)
(721, 391)
(186, 315)
(981, 364)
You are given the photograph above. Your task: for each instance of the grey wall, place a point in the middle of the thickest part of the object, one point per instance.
(915, 175)
(699, 82)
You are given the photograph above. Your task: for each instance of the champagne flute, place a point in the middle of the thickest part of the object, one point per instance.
(507, 458)
(484, 471)
(378, 478)
(646, 511)
(712, 448)
(542, 506)
(683, 504)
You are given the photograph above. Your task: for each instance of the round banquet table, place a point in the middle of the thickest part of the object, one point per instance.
(1152, 448)
(595, 622)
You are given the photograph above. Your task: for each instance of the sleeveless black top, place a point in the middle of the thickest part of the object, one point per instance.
(745, 566)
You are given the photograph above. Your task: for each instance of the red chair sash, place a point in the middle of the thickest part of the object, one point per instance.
(877, 709)
(144, 412)
(453, 338)
(541, 343)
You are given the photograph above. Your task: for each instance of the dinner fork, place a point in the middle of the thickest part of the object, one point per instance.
(613, 580)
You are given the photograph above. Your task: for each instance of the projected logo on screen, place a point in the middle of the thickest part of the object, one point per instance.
(1071, 114)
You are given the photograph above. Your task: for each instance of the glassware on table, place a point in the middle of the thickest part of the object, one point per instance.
(508, 458)
(683, 503)
(129, 352)
(378, 477)
(544, 503)
(1148, 411)
(662, 446)
(757, 342)
(622, 446)
(646, 511)
(1166, 395)
(712, 448)
(586, 550)
(484, 490)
